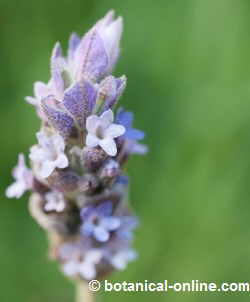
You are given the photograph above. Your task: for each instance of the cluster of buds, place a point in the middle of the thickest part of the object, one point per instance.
(79, 190)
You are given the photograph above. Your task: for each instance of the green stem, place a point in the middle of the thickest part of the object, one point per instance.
(83, 294)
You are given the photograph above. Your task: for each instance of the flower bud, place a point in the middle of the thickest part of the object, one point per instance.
(93, 158)
(109, 171)
(64, 181)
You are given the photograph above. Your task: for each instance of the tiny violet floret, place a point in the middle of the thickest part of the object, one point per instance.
(23, 177)
(99, 222)
(86, 268)
(49, 154)
(120, 260)
(54, 202)
(41, 90)
(102, 132)
(132, 135)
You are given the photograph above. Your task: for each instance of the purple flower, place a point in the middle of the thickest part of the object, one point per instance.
(102, 131)
(49, 154)
(122, 258)
(128, 224)
(131, 135)
(23, 177)
(126, 118)
(86, 268)
(133, 147)
(41, 90)
(54, 202)
(99, 222)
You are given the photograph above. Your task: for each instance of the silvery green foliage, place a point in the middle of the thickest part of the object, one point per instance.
(79, 191)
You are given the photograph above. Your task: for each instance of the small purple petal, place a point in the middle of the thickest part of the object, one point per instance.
(125, 118)
(87, 229)
(111, 223)
(136, 148)
(129, 222)
(123, 180)
(105, 208)
(101, 234)
(134, 134)
(86, 212)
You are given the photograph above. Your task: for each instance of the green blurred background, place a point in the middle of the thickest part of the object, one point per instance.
(188, 69)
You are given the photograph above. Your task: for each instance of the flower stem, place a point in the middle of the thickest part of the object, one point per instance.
(83, 294)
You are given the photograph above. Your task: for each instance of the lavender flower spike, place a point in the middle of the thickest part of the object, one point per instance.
(79, 190)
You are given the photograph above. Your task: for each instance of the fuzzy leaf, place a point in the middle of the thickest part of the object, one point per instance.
(59, 119)
(92, 57)
(80, 101)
